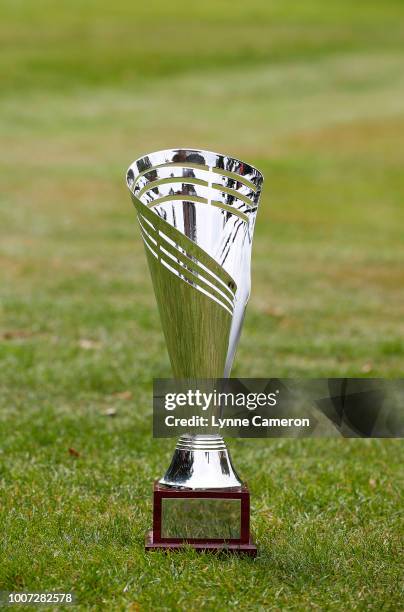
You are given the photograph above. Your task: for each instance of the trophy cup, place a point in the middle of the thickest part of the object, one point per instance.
(196, 211)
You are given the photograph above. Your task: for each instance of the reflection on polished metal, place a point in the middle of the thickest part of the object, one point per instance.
(201, 518)
(196, 211)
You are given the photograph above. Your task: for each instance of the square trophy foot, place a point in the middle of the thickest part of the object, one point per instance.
(207, 520)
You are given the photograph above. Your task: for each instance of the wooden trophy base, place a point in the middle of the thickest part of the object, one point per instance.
(207, 520)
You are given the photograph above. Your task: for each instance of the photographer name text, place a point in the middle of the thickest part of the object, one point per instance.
(221, 423)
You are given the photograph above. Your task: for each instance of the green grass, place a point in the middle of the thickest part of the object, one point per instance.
(312, 94)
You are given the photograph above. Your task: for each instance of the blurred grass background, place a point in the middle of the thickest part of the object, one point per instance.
(311, 93)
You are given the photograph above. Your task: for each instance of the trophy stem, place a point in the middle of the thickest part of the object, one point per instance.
(201, 462)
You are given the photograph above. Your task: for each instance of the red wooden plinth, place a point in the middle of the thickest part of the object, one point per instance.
(157, 540)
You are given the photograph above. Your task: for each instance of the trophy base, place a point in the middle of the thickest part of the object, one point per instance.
(242, 549)
(205, 519)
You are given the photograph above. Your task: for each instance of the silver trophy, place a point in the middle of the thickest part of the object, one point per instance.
(197, 211)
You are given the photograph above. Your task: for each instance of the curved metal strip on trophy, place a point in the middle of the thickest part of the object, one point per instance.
(194, 158)
(171, 175)
(187, 268)
(177, 246)
(165, 187)
(196, 211)
(185, 245)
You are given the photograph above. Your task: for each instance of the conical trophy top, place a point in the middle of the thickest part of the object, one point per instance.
(197, 212)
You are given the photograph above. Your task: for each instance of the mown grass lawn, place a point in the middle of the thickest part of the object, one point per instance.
(312, 94)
